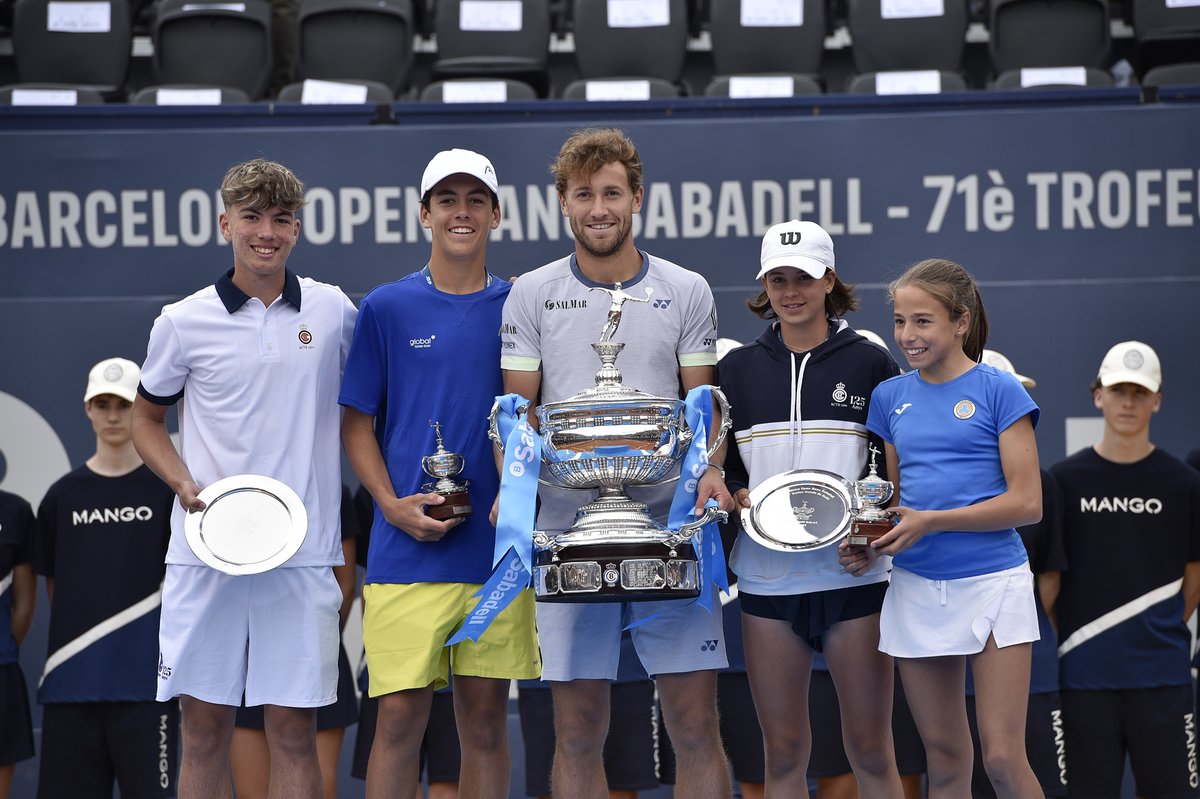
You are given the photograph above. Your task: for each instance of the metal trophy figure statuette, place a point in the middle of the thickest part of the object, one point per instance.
(871, 520)
(608, 437)
(444, 466)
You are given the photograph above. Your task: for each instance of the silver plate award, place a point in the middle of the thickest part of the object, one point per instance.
(250, 524)
(800, 510)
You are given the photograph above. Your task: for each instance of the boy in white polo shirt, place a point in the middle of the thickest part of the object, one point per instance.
(257, 360)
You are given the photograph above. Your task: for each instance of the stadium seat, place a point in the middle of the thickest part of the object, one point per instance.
(620, 89)
(1166, 33)
(481, 90)
(1052, 78)
(85, 44)
(748, 86)
(1048, 33)
(907, 36)
(319, 91)
(908, 82)
(493, 38)
(1187, 74)
(214, 43)
(638, 39)
(781, 43)
(188, 94)
(49, 94)
(361, 40)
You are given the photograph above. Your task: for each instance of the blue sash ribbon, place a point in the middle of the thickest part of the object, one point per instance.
(512, 557)
(710, 555)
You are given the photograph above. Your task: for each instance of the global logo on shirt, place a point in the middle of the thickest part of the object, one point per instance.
(422, 343)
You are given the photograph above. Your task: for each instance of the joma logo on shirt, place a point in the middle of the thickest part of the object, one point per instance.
(104, 515)
(1120, 505)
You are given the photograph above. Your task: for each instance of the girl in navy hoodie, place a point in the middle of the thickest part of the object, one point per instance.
(799, 401)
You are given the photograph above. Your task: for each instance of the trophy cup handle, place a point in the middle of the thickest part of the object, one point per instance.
(726, 422)
(688, 529)
(494, 423)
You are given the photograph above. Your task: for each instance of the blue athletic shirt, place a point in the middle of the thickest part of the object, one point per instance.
(421, 354)
(947, 438)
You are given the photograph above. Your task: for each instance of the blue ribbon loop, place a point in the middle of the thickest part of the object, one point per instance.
(710, 555)
(512, 557)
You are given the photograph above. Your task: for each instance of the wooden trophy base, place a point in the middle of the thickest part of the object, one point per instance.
(863, 533)
(456, 506)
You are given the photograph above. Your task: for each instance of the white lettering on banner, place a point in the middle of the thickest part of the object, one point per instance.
(689, 209)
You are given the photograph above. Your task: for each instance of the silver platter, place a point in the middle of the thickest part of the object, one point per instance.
(800, 510)
(250, 524)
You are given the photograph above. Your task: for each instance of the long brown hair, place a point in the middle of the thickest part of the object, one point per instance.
(954, 288)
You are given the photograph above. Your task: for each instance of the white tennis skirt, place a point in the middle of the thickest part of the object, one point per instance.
(930, 618)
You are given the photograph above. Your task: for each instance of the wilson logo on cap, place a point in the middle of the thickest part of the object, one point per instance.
(789, 237)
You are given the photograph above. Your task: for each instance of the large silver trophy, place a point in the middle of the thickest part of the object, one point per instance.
(608, 437)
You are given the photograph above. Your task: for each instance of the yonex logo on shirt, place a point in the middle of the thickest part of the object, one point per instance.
(104, 515)
(1152, 506)
(661, 303)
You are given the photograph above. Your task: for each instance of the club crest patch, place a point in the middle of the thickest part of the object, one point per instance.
(964, 409)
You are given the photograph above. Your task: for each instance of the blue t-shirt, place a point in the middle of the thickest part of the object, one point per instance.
(420, 354)
(947, 438)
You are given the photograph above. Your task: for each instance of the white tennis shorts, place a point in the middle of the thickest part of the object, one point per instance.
(931, 618)
(273, 635)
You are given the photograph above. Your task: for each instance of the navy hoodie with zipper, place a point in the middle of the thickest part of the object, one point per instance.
(800, 411)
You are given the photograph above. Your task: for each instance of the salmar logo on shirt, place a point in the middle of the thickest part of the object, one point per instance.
(565, 305)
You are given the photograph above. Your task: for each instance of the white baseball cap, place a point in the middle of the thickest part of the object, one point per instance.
(998, 361)
(113, 376)
(1131, 362)
(724, 345)
(458, 162)
(804, 245)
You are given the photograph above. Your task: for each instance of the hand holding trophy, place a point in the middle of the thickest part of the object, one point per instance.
(872, 520)
(445, 466)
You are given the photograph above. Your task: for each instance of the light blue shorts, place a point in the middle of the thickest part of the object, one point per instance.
(930, 618)
(273, 635)
(582, 641)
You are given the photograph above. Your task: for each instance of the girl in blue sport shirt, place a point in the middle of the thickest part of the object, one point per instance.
(959, 435)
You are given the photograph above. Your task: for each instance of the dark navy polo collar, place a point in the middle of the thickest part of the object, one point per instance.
(234, 298)
(587, 281)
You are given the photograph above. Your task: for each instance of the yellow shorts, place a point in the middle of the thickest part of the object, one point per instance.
(405, 629)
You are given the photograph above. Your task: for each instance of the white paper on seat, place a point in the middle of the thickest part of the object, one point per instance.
(489, 15)
(79, 17)
(1044, 76)
(920, 81)
(638, 13)
(908, 9)
(188, 97)
(1182, 3)
(618, 90)
(45, 97)
(475, 91)
(761, 86)
(331, 92)
(772, 13)
(239, 8)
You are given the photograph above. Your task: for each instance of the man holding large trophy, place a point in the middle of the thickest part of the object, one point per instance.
(611, 294)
